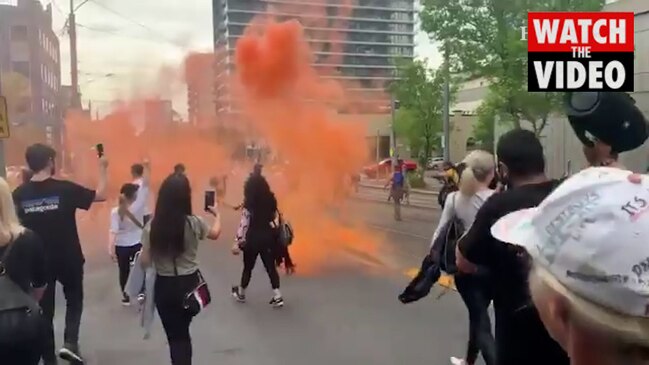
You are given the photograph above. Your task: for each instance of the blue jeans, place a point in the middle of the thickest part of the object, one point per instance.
(475, 291)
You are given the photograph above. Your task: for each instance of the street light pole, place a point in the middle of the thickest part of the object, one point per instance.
(394, 106)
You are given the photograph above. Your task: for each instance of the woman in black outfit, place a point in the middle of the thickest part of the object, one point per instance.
(257, 236)
(170, 241)
(22, 261)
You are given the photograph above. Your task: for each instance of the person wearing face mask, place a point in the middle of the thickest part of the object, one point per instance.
(587, 241)
(520, 335)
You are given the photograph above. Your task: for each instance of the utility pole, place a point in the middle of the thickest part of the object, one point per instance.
(447, 101)
(74, 70)
(394, 106)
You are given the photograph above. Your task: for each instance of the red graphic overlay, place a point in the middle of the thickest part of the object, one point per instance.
(561, 31)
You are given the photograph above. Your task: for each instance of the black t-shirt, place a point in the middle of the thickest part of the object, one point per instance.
(48, 208)
(26, 263)
(520, 335)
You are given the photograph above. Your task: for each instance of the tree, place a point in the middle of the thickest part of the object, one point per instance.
(419, 119)
(483, 40)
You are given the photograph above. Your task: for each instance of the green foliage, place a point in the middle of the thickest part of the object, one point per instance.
(416, 180)
(483, 38)
(419, 118)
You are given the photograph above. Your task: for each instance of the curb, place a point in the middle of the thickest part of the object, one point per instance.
(416, 191)
(414, 206)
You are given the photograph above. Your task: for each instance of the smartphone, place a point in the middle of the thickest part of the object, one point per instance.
(210, 199)
(100, 150)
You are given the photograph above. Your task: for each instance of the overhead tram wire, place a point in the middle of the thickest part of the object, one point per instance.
(80, 5)
(118, 34)
(139, 24)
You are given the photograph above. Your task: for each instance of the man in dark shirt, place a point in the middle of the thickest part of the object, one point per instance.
(521, 337)
(48, 206)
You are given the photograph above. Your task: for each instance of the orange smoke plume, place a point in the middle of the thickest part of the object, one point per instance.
(294, 111)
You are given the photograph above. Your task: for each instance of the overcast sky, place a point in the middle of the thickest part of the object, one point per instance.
(134, 40)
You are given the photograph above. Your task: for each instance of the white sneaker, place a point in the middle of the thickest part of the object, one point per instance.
(457, 361)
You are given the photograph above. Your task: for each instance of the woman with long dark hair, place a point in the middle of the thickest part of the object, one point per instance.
(170, 242)
(257, 236)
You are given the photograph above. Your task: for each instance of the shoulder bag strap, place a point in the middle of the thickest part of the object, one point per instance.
(453, 202)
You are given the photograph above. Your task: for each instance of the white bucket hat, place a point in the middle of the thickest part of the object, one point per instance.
(592, 234)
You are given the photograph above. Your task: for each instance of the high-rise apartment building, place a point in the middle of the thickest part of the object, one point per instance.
(29, 55)
(199, 76)
(354, 41)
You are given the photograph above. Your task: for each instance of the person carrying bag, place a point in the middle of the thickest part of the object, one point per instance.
(170, 245)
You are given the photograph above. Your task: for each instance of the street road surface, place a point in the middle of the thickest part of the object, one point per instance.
(426, 200)
(349, 315)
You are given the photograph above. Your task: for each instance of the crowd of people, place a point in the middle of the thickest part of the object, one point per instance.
(560, 259)
(564, 261)
(40, 247)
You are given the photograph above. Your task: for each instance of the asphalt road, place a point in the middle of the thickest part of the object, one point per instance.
(347, 314)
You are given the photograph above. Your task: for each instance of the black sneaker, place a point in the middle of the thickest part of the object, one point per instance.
(71, 353)
(237, 295)
(277, 302)
(126, 301)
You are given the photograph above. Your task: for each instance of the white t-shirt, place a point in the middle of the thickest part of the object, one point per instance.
(143, 192)
(126, 232)
(463, 207)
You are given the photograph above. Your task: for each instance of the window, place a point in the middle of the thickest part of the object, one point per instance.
(402, 28)
(19, 33)
(21, 67)
(245, 5)
(401, 39)
(244, 18)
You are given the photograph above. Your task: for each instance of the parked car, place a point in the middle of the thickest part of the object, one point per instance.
(435, 163)
(383, 168)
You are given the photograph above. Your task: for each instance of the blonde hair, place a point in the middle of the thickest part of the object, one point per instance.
(629, 334)
(479, 164)
(9, 224)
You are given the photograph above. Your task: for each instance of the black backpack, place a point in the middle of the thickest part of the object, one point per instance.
(21, 318)
(446, 242)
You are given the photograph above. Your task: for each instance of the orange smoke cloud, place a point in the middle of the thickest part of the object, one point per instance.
(286, 105)
(295, 113)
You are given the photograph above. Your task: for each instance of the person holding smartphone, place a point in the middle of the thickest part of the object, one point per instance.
(170, 243)
(48, 207)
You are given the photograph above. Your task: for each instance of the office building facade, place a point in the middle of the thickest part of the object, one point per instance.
(354, 41)
(199, 76)
(29, 50)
